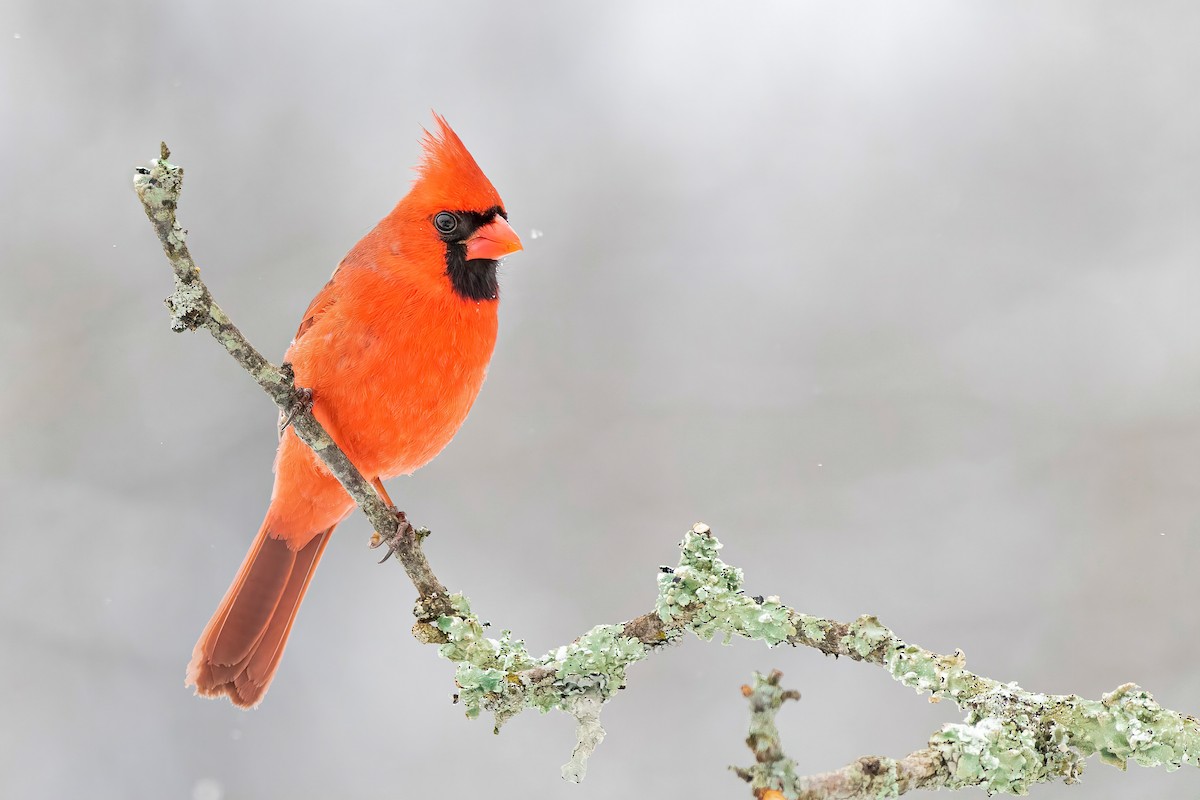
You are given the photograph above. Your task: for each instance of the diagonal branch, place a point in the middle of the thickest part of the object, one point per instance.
(1010, 739)
(192, 307)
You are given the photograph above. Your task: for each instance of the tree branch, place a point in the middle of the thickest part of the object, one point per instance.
(1010, 739)
(192, 307)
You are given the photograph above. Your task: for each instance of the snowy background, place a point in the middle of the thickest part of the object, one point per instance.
(900, 298)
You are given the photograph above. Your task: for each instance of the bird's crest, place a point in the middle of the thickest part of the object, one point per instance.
(448, 174)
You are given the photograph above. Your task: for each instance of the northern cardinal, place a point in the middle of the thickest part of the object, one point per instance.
(394, 349)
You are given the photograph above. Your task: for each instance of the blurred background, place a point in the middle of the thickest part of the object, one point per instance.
(899, 298)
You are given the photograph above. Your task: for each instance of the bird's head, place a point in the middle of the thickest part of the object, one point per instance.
(454, 226)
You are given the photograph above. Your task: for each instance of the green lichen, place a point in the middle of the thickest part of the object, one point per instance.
(599, 658)
(772, 769)
(707, 592)
(995, 755)
(884, 777)
(486, 666)
(1128, 724)
(941, 676)
(701, 577)
(866, 634)
(475, 683)
(499, 674)
(1010, 740)
(813, 628)
(1013, 738)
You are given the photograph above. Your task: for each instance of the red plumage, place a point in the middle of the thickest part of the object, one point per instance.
(395, 349)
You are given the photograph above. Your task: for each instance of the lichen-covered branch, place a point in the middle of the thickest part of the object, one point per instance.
(773, 776)
(1010, 739)
(772, 768)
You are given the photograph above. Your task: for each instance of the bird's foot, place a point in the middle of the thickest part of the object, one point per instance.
(302, 403)
(402, 529)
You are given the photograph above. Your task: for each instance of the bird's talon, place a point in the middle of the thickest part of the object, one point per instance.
(302, 402)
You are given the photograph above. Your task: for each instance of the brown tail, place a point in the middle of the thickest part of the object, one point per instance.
(239, 651)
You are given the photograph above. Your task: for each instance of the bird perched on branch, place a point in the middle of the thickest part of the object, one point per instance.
(394, 350)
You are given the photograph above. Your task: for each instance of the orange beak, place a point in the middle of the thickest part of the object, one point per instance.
(494, 240)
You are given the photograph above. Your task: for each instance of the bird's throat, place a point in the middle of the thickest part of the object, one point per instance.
(472, 280)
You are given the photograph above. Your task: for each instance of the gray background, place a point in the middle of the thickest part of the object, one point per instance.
(900, 298)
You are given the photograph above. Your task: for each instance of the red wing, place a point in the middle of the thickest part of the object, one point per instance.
(319, 305)
(316, 309)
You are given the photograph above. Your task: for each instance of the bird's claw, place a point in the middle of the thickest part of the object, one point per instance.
(378, 540)
(302, 403)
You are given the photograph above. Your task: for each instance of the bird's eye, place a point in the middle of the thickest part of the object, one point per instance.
(445, 222)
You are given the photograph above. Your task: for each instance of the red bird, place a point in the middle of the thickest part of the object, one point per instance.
(394, 349)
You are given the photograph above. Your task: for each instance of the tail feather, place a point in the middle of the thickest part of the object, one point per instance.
(265, 659)
(239, 651)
